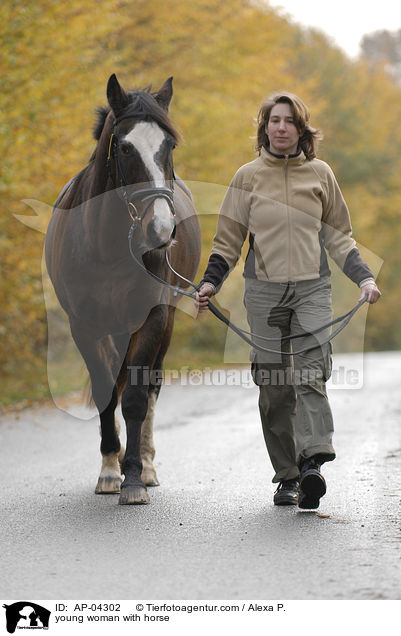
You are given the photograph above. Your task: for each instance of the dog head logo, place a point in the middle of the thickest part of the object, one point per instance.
(26, 615)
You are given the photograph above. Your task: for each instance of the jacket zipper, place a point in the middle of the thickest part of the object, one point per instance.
(288, 216)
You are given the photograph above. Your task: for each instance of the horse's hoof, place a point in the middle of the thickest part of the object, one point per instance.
(132, 495)
(108, 485)
(149, 477)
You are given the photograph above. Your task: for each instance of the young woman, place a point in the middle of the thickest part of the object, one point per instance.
(289, 204)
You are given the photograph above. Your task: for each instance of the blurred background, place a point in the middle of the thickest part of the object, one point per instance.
(56, 57)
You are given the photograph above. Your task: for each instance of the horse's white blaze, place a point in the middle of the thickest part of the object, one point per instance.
(147, 137)
(163, 219)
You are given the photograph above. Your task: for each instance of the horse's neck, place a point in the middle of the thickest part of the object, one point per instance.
(102, 211)
(102, 181)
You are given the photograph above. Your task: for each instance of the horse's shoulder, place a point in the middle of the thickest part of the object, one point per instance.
(66, 196)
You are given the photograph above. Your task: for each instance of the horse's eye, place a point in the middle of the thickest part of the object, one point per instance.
(125, 149)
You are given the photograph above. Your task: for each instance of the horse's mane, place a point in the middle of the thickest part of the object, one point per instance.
(142, 105)
(101, 115)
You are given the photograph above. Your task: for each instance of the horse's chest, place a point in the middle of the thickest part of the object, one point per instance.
(114, 304)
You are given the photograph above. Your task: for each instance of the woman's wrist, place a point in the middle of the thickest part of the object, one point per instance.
(367, 281)
(212, 287)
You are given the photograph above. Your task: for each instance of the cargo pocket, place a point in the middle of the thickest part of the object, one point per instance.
(254, 298)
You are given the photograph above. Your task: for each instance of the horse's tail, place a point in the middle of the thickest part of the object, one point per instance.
(87, 394)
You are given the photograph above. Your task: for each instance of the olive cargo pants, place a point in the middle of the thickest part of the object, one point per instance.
(296, 416)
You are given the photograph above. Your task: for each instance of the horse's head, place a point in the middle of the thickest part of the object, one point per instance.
(140, 152)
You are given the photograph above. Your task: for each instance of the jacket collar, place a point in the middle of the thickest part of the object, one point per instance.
(272, 159)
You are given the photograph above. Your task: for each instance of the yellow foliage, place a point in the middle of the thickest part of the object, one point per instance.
(225, 58)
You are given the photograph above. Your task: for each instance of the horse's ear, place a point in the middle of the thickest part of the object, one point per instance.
(117, 97)
(165, 93)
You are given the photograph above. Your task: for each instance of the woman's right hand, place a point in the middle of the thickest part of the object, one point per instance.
(371, 291)
(202, 296)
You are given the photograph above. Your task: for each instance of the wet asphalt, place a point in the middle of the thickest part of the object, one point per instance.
(211, 530)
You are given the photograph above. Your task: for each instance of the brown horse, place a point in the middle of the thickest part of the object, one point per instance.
(111, 229)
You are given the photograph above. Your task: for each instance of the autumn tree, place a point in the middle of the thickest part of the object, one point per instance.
(384, 48)
(225, 58)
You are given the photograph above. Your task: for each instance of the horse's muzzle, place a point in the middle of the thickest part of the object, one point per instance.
(159, 235)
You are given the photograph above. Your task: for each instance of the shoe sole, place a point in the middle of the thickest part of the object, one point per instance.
(285, 501)
(312, 488)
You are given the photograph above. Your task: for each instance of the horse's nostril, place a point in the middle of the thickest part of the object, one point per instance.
(152, 237)
(157, 235)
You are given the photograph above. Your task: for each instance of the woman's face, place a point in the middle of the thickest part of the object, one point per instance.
(281, 130)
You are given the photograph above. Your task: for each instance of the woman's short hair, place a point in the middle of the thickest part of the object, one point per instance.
(309, 136)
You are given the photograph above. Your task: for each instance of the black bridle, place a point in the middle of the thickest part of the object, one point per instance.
(147, 196)
(143, 195)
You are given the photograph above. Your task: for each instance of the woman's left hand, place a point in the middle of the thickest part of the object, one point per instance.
(372, 291)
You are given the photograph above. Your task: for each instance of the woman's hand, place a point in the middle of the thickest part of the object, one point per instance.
(371, 291)
(202, 296)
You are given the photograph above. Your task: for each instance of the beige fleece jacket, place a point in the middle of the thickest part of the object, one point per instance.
(292, 207)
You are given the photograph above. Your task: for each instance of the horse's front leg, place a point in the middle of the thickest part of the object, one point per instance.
(149, 476)
(144, 351)
(147, 445)
(112, 452)
(102, 360)
(134, 405)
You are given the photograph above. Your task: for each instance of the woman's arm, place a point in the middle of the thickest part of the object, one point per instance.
(337, 238)
(231, 232)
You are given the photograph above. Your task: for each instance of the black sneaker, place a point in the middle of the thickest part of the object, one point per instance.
(312, 484)
(287, 493)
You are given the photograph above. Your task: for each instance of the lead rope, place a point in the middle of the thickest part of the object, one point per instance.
(175, 288)
(149, 196)
(242, 333)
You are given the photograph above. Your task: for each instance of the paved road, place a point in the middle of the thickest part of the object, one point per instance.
(211, 531)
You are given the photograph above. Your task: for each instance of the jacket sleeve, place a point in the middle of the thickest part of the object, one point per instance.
(337, 232)
(231, 232)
